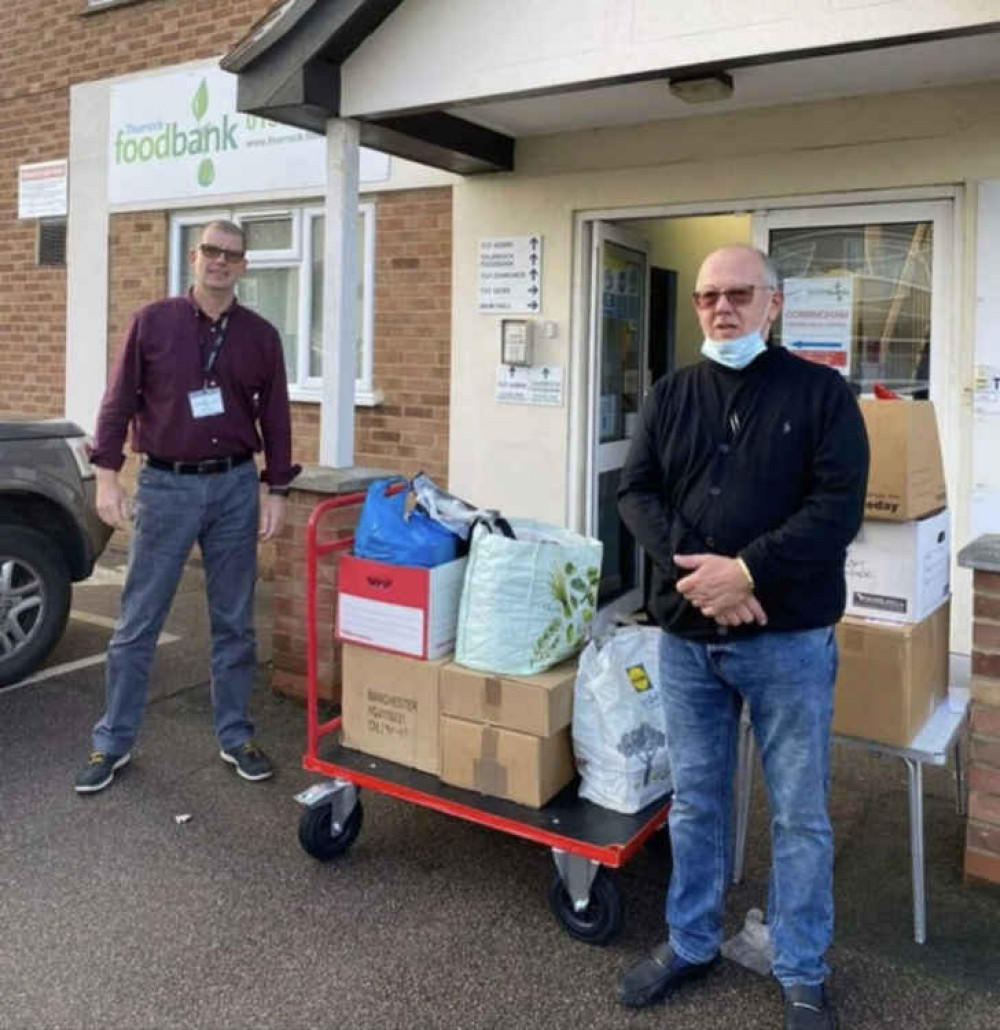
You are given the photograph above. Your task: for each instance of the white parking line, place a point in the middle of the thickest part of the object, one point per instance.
(106, 623)
(80, 663)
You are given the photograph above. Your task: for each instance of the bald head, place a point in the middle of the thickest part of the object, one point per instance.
(738, 286)
(764, 269)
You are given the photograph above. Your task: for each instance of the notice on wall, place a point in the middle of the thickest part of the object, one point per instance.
(817, 319)
(510, 275)
(986, 391)
(541, 385)
(179, 135)
(41, 189)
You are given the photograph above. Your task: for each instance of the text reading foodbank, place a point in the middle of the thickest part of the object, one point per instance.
(172, 141)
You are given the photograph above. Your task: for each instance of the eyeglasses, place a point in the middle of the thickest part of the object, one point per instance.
(737, 296)
(213, 253)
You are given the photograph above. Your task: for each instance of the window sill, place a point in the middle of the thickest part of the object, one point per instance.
(362, 398)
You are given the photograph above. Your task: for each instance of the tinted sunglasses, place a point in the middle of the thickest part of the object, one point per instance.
(737, 296)
(213, 253)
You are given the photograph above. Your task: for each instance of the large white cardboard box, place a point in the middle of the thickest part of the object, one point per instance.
(399, 608)
(899, 571)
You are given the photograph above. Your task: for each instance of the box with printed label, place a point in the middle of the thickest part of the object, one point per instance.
(400, 608)
(899, 571)
(891, 677)
(539, 704)
(505, 763)
(906, 475)
(390, 706)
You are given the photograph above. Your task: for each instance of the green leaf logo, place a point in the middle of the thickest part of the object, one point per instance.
(206, 172)
(199, 104)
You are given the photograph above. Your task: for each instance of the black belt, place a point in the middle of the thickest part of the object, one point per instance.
(198, 468)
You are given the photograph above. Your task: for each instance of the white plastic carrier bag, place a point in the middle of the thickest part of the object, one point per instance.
(620, 721)
(528, 601)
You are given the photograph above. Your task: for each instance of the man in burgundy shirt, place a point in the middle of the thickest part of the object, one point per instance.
(201, 380)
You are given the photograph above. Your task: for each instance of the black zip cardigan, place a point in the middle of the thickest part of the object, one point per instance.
(769, 463)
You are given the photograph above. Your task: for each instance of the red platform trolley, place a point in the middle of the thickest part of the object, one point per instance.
(585, 839)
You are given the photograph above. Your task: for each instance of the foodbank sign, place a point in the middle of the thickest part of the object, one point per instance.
(179, 136)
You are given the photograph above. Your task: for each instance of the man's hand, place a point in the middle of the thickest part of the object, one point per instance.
(272, 515)
(718, 587)
(749, 611)
(113, 504)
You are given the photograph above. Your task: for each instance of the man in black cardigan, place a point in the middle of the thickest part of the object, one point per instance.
(745, 483)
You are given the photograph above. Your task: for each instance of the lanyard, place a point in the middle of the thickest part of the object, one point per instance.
(216, 338)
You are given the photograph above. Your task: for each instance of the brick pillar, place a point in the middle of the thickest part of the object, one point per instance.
(314, 485)
(982, 842)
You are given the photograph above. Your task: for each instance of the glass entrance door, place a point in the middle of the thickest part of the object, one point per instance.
(618, 363)
(868, 289)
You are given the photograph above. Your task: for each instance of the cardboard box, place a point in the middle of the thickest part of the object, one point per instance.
(891, 677)
(906, 477)
(390, 706)
(539, 704)
(399, 608)
(899, 571)
(504, 763)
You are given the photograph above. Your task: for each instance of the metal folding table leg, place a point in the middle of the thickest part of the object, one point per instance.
(741, 798)
(915, 772)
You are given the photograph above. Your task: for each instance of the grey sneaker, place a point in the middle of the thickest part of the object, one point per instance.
(808, 1008)
(251, 763)
(99, 771)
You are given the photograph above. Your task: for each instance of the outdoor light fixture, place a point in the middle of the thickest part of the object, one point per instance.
(702, 89)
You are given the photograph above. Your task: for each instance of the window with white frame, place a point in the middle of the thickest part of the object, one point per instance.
(284, 283)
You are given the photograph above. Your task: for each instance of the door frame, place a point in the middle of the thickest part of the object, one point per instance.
(603, 232)
(954, 414)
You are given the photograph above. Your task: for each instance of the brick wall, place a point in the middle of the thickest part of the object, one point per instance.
(412, 335)
(289, 598)
(982, 845)
(50, 45)
(408, 432)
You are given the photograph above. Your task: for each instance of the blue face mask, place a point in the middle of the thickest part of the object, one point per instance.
(736, 354)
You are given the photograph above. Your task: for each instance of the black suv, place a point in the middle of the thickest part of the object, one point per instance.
(50, 536)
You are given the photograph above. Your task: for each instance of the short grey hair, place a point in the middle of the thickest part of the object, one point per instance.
(229, 228)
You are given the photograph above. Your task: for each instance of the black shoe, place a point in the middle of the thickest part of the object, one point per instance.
(808, 1008)
(99, 771)
(655, 976)
(251, 763)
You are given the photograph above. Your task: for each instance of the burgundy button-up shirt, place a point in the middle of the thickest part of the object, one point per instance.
(163, 360)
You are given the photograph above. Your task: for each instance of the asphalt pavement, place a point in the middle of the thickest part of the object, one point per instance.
(116, 912)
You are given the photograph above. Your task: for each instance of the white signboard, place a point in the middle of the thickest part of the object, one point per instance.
(179, 136)
(41, 190)
(987, 390)
(817, 319)
(541, 385)
(510, 275)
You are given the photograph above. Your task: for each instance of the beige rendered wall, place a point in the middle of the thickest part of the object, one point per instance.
(682, 244)
(518, 457)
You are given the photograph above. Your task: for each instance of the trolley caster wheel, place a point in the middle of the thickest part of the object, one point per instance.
(600, 920)
(319, 839)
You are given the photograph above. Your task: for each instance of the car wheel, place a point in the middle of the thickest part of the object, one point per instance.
(35, 594)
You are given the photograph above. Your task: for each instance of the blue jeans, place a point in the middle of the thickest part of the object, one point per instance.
(787, 681)
(220, 512)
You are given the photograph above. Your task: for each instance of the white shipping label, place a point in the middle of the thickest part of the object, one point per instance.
(395, 627)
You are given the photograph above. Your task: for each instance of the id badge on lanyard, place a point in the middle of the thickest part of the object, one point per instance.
(207, 401)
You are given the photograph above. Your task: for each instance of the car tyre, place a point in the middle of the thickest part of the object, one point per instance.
(35, 591)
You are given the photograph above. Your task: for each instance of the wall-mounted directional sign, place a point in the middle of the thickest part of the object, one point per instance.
(510, 275)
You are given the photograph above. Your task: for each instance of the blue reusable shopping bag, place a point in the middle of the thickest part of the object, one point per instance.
(387, 532)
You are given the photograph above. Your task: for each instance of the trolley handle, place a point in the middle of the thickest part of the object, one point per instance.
(314, 552)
